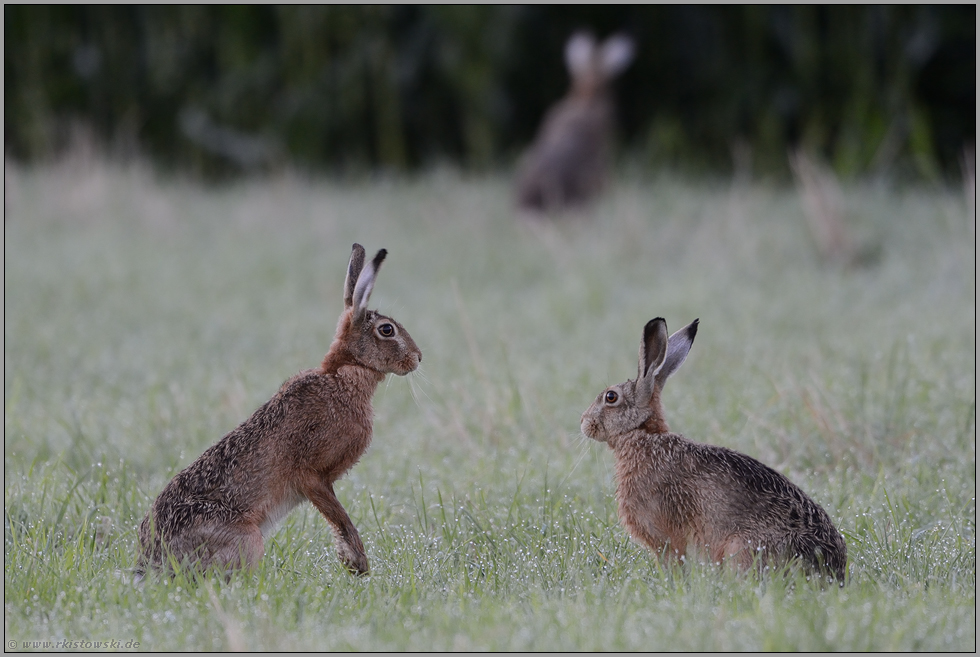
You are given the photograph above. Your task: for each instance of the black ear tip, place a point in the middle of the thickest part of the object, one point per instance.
(378, 259)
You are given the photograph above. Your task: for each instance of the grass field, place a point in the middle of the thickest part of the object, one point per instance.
(143, 319)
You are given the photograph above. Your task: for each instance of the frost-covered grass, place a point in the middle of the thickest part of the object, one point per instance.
(144, 319)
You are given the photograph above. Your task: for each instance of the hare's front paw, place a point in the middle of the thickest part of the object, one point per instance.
(356, 561)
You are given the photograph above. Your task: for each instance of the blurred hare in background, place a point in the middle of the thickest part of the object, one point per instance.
(566, 166)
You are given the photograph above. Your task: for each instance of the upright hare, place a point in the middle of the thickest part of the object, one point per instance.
(566, 165)
(219, 509)
(687, 499)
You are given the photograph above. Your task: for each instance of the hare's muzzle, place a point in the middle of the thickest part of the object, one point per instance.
(410, 363)
(590, 424)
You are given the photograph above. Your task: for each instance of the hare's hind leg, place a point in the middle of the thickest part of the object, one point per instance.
(736, 551)
(349, 546)
(243, 547)
(224, 545)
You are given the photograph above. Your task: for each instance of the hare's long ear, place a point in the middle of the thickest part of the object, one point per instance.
(615, 55)
(353, 271)
(579, 54)
(653, 349)
(365, 283)
(678, 347)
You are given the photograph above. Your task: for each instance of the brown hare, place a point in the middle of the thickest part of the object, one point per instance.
(220, 508)
(691, 500)
(566, 165)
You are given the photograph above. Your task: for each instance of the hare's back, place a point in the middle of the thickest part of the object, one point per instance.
(213, 481)
(575, 132)
(753, 505)
(240, 462)
(750, 494)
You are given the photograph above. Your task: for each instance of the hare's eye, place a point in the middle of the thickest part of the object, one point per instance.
(386, 330)
(612, 396)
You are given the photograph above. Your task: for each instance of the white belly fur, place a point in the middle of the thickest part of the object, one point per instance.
(276, 514)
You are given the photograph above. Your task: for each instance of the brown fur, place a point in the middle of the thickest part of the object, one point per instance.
(566, 165)
(690, 500)
(219, 509)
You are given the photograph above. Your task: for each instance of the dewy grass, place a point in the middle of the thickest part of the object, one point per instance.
(145, 319)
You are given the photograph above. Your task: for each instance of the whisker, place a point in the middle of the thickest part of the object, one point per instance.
(584, 451)
(416, 389)
(419, 372)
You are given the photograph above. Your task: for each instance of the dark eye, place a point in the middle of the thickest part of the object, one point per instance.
(386, 330)
(612, 396)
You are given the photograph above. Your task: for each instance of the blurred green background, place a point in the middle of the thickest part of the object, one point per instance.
(217, 90)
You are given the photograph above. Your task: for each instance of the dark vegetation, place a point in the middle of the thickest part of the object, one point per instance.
(346, 89)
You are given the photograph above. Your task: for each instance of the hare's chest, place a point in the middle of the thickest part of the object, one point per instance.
(655, 505)
(645, 521)
(335, 448)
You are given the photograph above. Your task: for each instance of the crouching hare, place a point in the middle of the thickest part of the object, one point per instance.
(220, 509)
(691, 500)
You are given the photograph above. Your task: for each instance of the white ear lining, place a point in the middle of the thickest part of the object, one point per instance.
(579, 52)
(616, 54)
(678, 347)
(365, 282)
(655, 371)
(362, 291)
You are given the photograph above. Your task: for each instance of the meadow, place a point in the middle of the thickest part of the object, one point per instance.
(145, 317)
